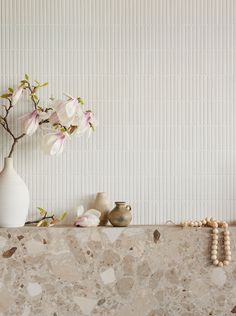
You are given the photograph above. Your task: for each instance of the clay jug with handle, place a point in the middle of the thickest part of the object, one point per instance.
(120, 216)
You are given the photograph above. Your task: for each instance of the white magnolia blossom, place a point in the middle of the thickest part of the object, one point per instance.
(53, 143)
(54, 119)
(16, 95)
(67, 111)
(30, 122)
(88, 218)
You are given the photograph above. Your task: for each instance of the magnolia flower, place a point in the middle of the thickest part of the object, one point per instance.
(54, 119)
(53, 143)
(30, 122)
(16, 95)
(67, 110)
(88, 122)
(88, 218)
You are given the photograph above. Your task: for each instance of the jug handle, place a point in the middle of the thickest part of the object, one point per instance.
(128, 207)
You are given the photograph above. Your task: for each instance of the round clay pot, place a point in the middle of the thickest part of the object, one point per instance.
(120, 216)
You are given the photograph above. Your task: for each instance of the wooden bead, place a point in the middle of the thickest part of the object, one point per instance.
(216, 262)
(215, 237)
(227, 242)
(228, 258)
(215, 242)
(214, 252)
(220, 264)
(215, 231)
(204, 222)
(225, 225)
(226, 237)
(227, 248)
(226, 233)
(214, 224)
(214, 247)
(228, 252)
(213, 257)
(226, 262)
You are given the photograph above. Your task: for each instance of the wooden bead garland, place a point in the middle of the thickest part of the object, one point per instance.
(211, 222)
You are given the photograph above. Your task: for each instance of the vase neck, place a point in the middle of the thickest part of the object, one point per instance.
(120, 204)
(101, 195)
(8, 163)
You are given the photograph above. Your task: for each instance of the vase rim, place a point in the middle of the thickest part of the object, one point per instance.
(120, 202)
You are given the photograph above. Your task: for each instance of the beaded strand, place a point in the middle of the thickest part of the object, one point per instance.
(211, 222)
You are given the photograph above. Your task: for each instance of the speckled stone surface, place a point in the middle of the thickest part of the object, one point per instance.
(113, 271)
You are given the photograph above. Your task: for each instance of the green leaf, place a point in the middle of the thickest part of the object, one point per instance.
(38, 83)
(43, 223)
(26, 77)
(81, 101)
(63, 215)
(5, 95)
(41, 211)
(35, 97)
(24, 81)
(44, 84)
(10, 89)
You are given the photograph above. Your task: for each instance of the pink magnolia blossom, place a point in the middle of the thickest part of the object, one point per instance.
(88, 218)
(87, 122)
(53, 143)
(16, 95)
(30, 122)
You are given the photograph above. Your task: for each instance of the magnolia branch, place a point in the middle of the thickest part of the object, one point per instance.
(32, 95)
(41, 219)
(5, 125)
(4, 118)
(61, 126)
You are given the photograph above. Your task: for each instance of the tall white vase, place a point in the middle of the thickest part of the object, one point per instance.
(14, 197)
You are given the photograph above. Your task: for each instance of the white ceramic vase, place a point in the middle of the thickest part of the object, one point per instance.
(14, 197)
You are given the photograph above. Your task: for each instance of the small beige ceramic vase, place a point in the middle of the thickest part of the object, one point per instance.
(102, 205)
(120, 216)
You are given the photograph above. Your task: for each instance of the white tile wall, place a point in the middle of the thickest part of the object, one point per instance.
(160, 75)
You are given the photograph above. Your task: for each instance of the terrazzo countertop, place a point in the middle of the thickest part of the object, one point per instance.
(114, 271)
